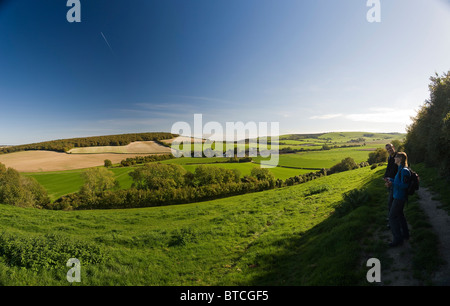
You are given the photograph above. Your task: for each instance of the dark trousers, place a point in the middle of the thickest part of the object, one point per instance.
(397, 221)
(390, 199)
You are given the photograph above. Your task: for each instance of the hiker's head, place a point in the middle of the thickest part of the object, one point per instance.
(390, 148)
(401, 159)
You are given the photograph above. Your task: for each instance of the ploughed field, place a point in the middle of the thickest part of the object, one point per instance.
(78, 158)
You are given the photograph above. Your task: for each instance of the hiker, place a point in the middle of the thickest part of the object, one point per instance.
(391, 171)
(400, 183)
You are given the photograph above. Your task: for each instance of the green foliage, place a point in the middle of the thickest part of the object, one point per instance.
(156, 176)
(352, 200)
(379, 156)
(96, 181)
(130, 161)
(107, 163)
(262, 174)
(428, 137)
(346, 164)
(317, 189)
(183, 237)
(19, 190)
(49, 251)
(206, 175)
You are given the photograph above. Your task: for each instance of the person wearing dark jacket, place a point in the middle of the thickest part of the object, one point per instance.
(391, 171)
(400, 183)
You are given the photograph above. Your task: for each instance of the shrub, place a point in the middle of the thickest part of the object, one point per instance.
(47, 252)
(352, 200)
(96, 181)
(261, 174)
(346, 164)
(379, 156)
(19, 190)
(317, 189)
(206, 175)
(157, 176)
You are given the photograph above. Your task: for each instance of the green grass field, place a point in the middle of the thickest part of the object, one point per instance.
(318, 159)
(286, 236)
(60, 183)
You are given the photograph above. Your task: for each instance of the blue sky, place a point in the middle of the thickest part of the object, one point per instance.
(142, 65)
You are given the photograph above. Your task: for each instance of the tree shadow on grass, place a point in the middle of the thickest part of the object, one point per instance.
(329, 254)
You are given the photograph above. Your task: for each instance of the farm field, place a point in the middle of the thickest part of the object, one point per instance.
(319, 159)
(60, 183)
(43, 161)
(137, 147)
(274, 237)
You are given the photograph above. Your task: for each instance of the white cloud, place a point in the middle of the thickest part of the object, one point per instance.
(374, 115)
(384, 116)
(326, 117)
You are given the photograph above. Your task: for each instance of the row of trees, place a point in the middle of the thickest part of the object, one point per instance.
(162, 184)
(428, 137)
(158, 184)
(64, 145)
(139, 160)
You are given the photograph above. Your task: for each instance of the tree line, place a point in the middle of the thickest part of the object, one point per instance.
(428, 137)
(64, 145)
(156, 184)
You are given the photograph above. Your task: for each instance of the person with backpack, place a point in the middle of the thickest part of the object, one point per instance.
(391, 171)
(400, 185)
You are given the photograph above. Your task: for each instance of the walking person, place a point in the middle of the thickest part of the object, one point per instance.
(391, 171)
(397, 220)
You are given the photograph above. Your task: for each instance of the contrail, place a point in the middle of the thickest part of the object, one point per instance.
(107, 43)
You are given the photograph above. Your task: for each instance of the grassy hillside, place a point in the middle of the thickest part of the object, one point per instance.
(286, 236)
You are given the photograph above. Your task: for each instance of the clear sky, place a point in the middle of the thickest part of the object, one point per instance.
(142, 65)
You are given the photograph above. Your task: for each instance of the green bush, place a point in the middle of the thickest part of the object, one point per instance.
(379, 156)
(19, 190)
(346, 164)
(156, 176)
(351, 200)
(50, 251)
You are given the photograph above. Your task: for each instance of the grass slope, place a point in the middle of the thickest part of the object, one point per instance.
(286, 236)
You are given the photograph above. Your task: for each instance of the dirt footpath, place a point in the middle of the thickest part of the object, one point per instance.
(440, 220)
(399, 272)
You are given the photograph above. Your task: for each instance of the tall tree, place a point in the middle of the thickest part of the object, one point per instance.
(428, 137)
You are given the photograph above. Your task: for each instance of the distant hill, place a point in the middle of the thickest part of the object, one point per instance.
(64, 145)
